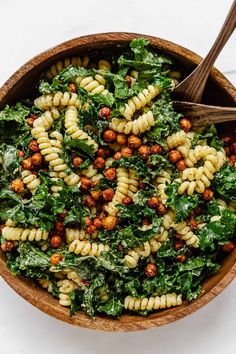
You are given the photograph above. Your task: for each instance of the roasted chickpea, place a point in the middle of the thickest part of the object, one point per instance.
(129, 80)
(109, 136)
(110, 173)
(72, 87)
(33, 146)
(63, 214)
(126, 152)
(99, 162)
(87, 221)
(77, 161)
(181, 165)
(181, 258)
(56, 258)
(192, 223)
(59, 226)
(161, 209)
(185, 124)
(144, 151)
(232, 159)
(117, 155)
(31, 119)
(150, 270)
(97, 223)
(156, 149)
(108, 194)
(95, 194)
(101, 152)
(146, 221)
(27, 164)
(17, 186)
(7, 246)
(207, 194)
(89, 201)
(109, 222)
(101, 216)
(86, 184)
(121, 139)
(127, 201)
(174, 156)
(178, 244)
(153, 202)
(134, 142)
(36, 159)
(91, 229)
(227, 150)
(105, 112)
(142, 185)
(119, 248)
(227, 140)
(233, 148)
(56, 241)
(21, 153)
(228, 247)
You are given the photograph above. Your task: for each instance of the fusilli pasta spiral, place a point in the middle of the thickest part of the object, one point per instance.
(152, 303)
(58, 99)
(85, 248)
(186, 234)
(78, 234)
(137, 126)
(121, 190)
(20, 234)
(60, 65)
(30, 180)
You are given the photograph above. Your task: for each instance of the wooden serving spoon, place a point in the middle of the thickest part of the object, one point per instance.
(191, 89)
(202, 115)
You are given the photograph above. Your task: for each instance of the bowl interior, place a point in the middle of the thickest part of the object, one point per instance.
(22, 85)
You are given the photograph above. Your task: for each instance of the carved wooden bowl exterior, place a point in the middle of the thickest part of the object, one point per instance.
(218, 91)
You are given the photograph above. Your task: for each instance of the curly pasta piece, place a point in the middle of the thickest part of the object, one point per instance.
(104, 65)
(65, 286)
(20, 234)
(186, 234)
(133, 182)
(60, 65)
(89, 172)
(152, 303)
(73, 276)
(141, 100)
(92, 85)
(144, 250)
(30, 180)
(72, 128)
(46, 284)
(78, 234)
(162, 180)
(58, 99)
(122, 189)
(45, 121)
(137, 126)
(85, 248)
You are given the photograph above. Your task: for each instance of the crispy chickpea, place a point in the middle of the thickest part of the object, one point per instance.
(72, 87)
(110, 173)
(153, 202)
(56, 258)
(105, 112)
(119, 248)
(126, 152)
(109, 222)
(108, 151)
(207, 194)
(87, 221)
(101, 216)
(89, 201)
(101, 152)
(109, 136)
(142, 185)
(121, 139)
(108, 194)
(17, 186)
(227, 150)
(150, 270)
(227, 140)
(21, 153)
(156, 149)
(27, 164)
(59, 226)
(86, 184)
(36, 159)
(181, 258)
(7, 246)
(174, 156)
(127, 201)
(232, 159)
(185, 124)
(33, 146)
(129, 80)
(178, 245)
(146, 221)
(91, 229)
(95, 194)
(228, 247)
(31, 119)
(77, 161)
(161, 209)
(181, 165)
(99, 162)
(134, 142)
(56, 241)
(192, 223)
(233, 148)
(117, 155)
(63, 214)
(144, 151)
(97, 223)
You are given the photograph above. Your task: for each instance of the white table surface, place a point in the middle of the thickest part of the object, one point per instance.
(29, 27)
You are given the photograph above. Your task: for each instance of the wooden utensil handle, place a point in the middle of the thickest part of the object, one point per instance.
(226, 31)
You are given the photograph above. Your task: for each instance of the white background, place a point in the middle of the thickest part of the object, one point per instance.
(29, 27)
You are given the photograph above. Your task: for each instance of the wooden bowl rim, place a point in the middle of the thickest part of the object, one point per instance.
(38, 297)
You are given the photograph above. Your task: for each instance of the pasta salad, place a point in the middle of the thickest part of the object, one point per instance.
(109, 200)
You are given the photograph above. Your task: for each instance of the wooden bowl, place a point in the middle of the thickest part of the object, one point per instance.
(218, 91)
